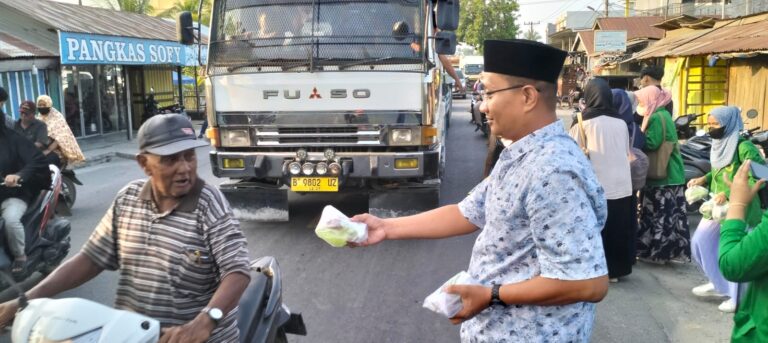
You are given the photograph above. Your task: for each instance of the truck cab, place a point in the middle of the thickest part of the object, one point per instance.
(329, 96)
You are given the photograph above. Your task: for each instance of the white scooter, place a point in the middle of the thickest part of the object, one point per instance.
(262, 315)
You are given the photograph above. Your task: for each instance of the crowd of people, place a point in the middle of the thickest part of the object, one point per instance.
(40, 137)
(650, 223)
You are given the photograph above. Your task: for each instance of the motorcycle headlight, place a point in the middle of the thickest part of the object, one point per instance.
(235, 138)
(401, 137)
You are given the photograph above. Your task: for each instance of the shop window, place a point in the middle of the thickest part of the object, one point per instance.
(71, 99)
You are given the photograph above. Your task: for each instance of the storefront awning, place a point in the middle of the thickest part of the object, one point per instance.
(742, 35)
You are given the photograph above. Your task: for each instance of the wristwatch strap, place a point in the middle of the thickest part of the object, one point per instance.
(495, 297)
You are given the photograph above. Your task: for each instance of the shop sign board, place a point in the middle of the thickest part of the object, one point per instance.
(610, 41)
(81, 48)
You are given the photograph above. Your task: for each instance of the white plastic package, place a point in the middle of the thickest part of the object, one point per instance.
(695, 194)
(719, 212)
(337, 229)
(706, 209)
(448, 304)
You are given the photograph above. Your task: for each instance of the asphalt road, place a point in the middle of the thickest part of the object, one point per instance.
(375, 294)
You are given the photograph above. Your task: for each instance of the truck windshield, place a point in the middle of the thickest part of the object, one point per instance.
(473, 69)
(296, 35)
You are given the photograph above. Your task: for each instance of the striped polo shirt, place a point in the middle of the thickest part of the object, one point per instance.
(171, 263)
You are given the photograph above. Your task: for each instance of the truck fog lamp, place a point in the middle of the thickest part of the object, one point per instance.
(233, 163)
(334, 168)
(329, 154)
(302, 154)
(308, 168)
(294, 168)
(406, 163)
(321, 168)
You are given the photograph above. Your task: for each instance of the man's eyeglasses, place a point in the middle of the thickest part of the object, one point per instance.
(485, 95)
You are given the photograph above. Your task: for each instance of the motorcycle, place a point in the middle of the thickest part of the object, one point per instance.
(478, 118)
(47, 239)
(262, 316)
(68, 194)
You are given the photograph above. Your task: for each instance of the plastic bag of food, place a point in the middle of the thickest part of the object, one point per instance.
(706, 209)
(445, 303)
(337, 229)
(695, 194)
(719, 212)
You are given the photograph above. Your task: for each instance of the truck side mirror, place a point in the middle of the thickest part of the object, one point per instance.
(447, 15)
(185, 33)
(445, 43)
(400, 30)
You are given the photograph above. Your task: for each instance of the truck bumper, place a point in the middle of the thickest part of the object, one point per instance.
(354, 165)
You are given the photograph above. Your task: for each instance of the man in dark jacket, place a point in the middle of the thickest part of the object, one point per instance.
(20, 162)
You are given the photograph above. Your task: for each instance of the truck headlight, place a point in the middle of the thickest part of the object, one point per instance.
(235, 138)
(308, 169)
(321, 168)
(294, 168)
(401, 137)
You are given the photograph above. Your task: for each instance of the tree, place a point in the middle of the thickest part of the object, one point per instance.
(134, 6)
(188, 6)
(487, 19)
(532, 34)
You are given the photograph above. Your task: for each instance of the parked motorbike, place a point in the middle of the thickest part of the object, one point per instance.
(47, 236)
(684, 125)
(262, 316)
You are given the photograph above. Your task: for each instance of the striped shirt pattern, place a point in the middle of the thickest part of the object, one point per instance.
(171, 263)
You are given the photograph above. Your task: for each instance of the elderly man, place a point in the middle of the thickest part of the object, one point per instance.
(539, 256)
(181, 255)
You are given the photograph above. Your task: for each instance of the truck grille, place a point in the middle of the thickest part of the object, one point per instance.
(327, 136)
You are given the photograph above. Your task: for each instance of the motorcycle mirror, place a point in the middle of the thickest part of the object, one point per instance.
(752, 114)
(701, 133)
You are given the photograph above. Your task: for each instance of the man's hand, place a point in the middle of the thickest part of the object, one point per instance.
(459, 86)
(720, 199)
(196, 331)
(699, 181)
(377, 229)
(12, 180)
(474, 300)
(8, 312)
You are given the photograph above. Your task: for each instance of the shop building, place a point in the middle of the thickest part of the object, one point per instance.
(99, 65)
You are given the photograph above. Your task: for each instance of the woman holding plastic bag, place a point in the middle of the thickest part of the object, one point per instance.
(729, 152)
(663, 233)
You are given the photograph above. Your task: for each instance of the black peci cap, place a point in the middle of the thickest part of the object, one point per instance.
(524, 58)
(167, 134)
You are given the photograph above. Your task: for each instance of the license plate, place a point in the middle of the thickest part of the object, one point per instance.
(315, 184)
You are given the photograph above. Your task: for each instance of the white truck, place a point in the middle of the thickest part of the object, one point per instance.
(472, 66)
(328, 96)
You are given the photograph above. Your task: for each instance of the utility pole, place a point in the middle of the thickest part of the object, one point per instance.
(607, 8)
(626, 8)
(530, 24)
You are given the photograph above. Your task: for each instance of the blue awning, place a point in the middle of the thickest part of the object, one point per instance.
(185, 80)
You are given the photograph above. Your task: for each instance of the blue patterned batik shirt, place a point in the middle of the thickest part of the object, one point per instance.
(541, 212)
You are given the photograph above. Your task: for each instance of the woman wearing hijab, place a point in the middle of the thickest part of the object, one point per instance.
(63, 142)
(729, 152)
(663, 232)
(623, 106)
(607, 141)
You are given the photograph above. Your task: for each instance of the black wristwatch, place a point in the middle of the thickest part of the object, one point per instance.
(495, 297)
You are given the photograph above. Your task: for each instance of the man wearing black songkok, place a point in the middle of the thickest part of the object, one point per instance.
(538, 260)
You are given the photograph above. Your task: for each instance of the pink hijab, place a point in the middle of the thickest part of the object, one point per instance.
(649, 99)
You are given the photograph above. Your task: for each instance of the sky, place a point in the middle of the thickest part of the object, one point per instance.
(547, 11)
(542, 11)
